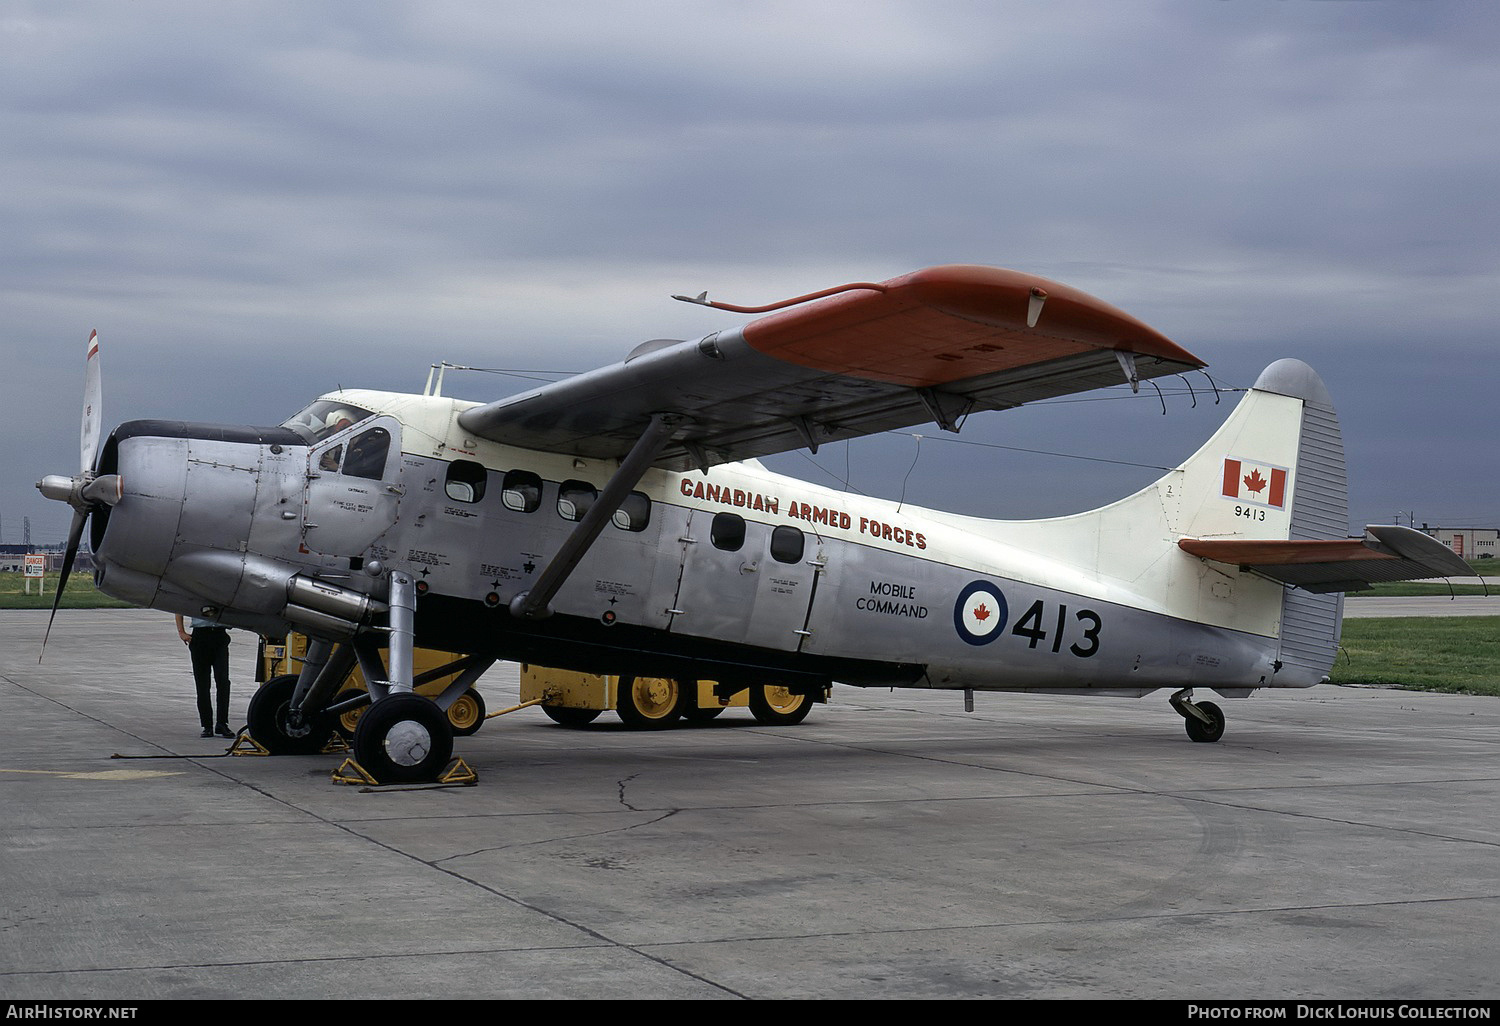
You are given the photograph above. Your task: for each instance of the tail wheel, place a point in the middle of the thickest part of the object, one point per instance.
(275, 728)
(570, 717)
(467, 714)
(403, 739)
(1212, 731)
(776, 706)
(649, 703)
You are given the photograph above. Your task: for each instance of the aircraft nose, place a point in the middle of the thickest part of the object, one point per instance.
(138, 495)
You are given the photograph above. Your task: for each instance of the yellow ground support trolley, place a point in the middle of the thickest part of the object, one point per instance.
(646, 703)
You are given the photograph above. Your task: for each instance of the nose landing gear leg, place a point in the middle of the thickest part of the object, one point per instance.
(403, 737)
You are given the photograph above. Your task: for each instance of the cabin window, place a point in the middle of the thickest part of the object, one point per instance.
(465, 481)
(521, 491)
(787, 544)
(634, 513)
(727, 532)
(574, 499)
(367, 453)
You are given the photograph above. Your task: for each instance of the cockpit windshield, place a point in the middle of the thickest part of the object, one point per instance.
(323, 418)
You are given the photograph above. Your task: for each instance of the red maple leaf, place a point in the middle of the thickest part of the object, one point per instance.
(1254, 481)
(981, 613)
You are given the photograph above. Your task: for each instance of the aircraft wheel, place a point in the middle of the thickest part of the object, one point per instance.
(570, 717)
(775, 706)
(1200, 731)
(267, 718)
(347, 722)
(467, 714)
(403, 739)
(649, 703)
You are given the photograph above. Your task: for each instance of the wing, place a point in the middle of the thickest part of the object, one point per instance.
(931, 346)
(1383, 554)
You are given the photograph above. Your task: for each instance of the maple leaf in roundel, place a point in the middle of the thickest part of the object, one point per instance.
(981, 613)
(1254, 481)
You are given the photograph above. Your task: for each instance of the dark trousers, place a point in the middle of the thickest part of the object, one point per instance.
(210, 651)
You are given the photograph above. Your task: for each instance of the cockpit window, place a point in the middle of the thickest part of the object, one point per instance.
(367, 454)
(325, 417)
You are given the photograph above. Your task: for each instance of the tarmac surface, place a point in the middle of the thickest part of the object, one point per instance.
(1337, 843)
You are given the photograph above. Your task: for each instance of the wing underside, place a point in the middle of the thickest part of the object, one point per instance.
(1385, 553)
(932, 346)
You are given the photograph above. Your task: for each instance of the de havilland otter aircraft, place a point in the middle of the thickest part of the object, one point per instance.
(619, 522)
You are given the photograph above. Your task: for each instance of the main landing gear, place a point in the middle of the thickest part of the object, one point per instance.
(1204, 720)
(403, 739)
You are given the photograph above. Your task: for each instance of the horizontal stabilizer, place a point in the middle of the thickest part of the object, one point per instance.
(1385, 553)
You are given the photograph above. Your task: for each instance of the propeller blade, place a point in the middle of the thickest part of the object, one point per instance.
(75, 536)
(88, 441)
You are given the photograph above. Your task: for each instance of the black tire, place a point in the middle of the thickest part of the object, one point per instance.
(1207, 732)
(697, 715)
(570, 717)
(466, 715)
(403, 739)
(649, 703)
(267, 718)
(775, 706)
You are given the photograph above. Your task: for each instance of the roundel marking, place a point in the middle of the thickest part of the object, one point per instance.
(980, 613)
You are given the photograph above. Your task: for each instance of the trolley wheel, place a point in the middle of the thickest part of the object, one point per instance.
(570, 717)
(466, 715)
(649, 703)
(776, 706)
(346, 722)
(403, 739)
(696, 714)
(267, 718)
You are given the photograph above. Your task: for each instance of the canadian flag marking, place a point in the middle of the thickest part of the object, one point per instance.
(1260, 484)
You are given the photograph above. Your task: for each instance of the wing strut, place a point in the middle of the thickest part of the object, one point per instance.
(536, 603)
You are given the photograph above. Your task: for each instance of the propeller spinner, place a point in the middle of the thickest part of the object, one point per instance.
(85, 492)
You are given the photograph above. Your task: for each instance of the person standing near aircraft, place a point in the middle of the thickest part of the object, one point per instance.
(208, 646)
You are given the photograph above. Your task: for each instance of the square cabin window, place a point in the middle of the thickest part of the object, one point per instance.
(787, 544)
(634, 513)
(728, 532)
(574, 499)
(521, 491)
(465, 481)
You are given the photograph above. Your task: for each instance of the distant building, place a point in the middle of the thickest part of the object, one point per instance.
(1468, 542)
(13, 558)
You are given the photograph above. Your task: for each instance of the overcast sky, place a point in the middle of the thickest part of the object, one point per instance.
(257, 202)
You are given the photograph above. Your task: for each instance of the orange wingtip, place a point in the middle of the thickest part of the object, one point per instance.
(953, 322)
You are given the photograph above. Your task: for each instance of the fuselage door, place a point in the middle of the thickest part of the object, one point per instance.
(746, 582)
(353, 487)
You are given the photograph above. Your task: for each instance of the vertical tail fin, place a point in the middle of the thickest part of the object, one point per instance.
(1275, 471)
